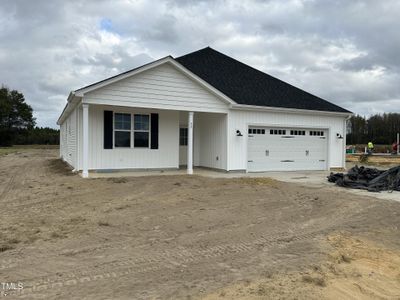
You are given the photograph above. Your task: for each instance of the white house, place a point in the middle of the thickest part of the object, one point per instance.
(202, 109)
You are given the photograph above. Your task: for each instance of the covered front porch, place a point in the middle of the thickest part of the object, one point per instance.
(117, 138)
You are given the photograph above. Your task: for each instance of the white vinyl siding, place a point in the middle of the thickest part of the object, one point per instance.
(241, 120)
(209, 140)
(63, 140)
(68, 139)
(166, 156)
(212, 131)
(163, 87)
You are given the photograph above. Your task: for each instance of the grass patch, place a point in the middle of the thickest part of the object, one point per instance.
(19, 148)
(7, 150)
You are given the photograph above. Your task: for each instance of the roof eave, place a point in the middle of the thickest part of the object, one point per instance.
(289, 110)
(72, 101)
(79, 93)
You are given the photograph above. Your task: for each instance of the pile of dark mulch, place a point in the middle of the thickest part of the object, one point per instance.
(370, 179)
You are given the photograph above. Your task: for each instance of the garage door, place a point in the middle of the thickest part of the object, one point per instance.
(286, 149)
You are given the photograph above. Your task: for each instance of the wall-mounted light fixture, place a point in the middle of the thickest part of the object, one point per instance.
(238, 133)
(339, 136)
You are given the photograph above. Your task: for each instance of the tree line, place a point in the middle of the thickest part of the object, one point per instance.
(379, 129)
(17, 124)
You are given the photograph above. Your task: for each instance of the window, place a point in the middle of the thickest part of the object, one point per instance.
(297, 132)
(317, 133)
(122, 130)
(256, 131)
(141, 131)
(277, 131)
(183, 136)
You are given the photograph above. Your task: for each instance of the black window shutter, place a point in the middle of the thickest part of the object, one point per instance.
(108, 129)
(154, 131)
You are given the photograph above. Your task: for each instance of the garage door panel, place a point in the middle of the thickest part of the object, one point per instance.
(305, 149)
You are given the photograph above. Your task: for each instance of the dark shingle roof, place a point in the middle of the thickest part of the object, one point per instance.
(246, 85)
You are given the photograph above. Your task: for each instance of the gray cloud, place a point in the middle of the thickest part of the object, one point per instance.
(344, 51)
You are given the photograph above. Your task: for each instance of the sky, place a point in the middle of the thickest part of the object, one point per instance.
(347, 52)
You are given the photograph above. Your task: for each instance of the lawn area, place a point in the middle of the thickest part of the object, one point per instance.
(19, 148)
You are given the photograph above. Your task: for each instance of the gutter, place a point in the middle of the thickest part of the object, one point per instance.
(289, 110)
(68, 107)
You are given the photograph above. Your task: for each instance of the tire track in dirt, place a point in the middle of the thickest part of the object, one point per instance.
(167, 259)
(274, 239)
(9, 185)
(17, 171)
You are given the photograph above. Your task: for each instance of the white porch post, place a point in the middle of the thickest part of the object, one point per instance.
(190, 144)
(85, 141)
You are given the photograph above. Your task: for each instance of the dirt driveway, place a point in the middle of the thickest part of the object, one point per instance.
(173, 237)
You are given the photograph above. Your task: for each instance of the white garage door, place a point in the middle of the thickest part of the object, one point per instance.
(286, 149)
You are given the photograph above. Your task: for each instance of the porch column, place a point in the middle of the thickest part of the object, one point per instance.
(85, 141)
(190, 144)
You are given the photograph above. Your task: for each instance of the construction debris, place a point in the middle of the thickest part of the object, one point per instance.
(370, 179)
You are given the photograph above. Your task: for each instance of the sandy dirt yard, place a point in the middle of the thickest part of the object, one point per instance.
(181, 237)
(377, 160)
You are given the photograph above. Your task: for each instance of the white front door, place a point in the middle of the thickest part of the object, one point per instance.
(286, 149)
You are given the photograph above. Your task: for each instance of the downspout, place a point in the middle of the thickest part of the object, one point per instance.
(344, 140)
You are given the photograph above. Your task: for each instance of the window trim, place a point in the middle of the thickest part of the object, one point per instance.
(134, 130)
(124, 130)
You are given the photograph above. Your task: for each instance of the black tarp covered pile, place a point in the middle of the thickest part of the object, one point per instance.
(370, 179)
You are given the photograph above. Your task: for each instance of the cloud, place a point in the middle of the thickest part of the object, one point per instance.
(344, 51)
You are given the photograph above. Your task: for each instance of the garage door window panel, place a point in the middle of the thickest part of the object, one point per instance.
(256, 131)
(316, 133)
(277, 131)
(297, 132)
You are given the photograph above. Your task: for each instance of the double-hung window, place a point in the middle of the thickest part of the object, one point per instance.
(141, 131)
(122, 130)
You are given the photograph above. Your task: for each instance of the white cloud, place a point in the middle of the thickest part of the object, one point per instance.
(344, 51)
